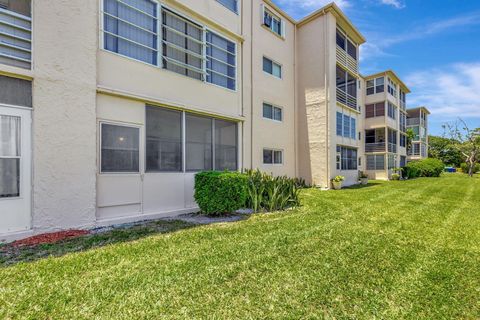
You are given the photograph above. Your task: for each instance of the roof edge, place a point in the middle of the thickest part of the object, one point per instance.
(392, 74)
(338, 13)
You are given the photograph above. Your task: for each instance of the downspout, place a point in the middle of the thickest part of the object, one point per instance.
(327, 96)
(251, 85)
(242, 98)
(295, 106)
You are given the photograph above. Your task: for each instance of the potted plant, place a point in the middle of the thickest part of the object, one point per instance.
(337, 182)
(363, 178)
(395, 176)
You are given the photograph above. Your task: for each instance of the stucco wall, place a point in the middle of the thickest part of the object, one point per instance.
(64, 131)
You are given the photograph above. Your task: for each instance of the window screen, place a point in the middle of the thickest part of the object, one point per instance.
(225, 145)
(164, 140)
(120, 148)
(199, 149)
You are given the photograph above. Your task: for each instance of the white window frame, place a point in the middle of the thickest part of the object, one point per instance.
(273, 62)
(160, 57)
(273, 150)
(100, 143)
(392, 107)
(237, 5)
(375, 85)
(264, 10)
(393, 87)
(273, 110)
(236, 60)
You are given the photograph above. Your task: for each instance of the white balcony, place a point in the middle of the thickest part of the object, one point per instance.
(346, 99)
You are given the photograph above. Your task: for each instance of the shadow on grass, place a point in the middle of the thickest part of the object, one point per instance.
(10, 254)
(371, 183)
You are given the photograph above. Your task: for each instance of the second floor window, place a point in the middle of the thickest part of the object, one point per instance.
(230, 4)
(179, 44)
(376, 85)
(375, 110)
(272, 67)
(16, 33)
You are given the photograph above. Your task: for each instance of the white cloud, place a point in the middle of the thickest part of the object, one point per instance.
(300, 8)
(449, 92)
(397, 4)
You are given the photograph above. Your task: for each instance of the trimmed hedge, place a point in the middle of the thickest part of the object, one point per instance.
(424, 168)
(217, 193)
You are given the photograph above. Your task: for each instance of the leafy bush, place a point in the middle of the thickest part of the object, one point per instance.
(465, 167)
(217, 193)
(395, 176)
(424, 168)
(266, 192)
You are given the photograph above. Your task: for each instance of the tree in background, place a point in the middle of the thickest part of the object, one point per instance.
(444, 149)
(410, 137)
(467, 142)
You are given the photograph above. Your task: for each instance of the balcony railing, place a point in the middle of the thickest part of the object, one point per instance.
(15, 39)
(375, 147)
(346, 99)
(346, 60)
(416, 122)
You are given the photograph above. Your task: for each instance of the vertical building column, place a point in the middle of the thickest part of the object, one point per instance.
(65, 34)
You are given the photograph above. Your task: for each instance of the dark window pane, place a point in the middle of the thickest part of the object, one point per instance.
(340, 40)
(267, 111)
(278, 157)
(120, 148)
(267, 156)
(199, 143)
(225, 145)
(277, 114)
(164, 140)
(352, 50)
(267, 65)
(341, 78)
(9, 177)
(230, 4)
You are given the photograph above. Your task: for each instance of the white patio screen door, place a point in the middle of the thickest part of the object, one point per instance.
(15, 169)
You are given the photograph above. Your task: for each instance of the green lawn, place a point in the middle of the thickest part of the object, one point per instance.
(392, 250)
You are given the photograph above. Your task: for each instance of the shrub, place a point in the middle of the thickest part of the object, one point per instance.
(424, 168)
(217, 193)
(464, 168)
(338, 179)
(395, 176)
(266, 192)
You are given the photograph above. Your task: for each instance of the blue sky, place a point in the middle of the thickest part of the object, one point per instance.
(433, 45)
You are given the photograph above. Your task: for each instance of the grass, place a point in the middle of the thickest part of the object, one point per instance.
(392, 250)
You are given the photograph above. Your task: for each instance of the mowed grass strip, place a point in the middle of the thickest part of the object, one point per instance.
(392, 250)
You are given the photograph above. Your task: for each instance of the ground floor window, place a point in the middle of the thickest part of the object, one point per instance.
(120, 148)
(403, 161)
(10, 156)
(210, 144)
(392, 161)
(271, 156)
(376, 162)
(346, 158)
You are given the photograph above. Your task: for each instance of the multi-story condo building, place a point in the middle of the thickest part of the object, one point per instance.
(108, 108)
(417, 121)
(385, 124)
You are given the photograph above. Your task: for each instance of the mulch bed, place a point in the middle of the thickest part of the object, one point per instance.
(49, 238)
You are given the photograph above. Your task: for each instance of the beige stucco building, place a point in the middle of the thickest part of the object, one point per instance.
(108, 108)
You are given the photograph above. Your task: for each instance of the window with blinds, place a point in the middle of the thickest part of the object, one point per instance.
(146, 31)
(221, 61)
(16, 33)
(182, 45)
(130, 29)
